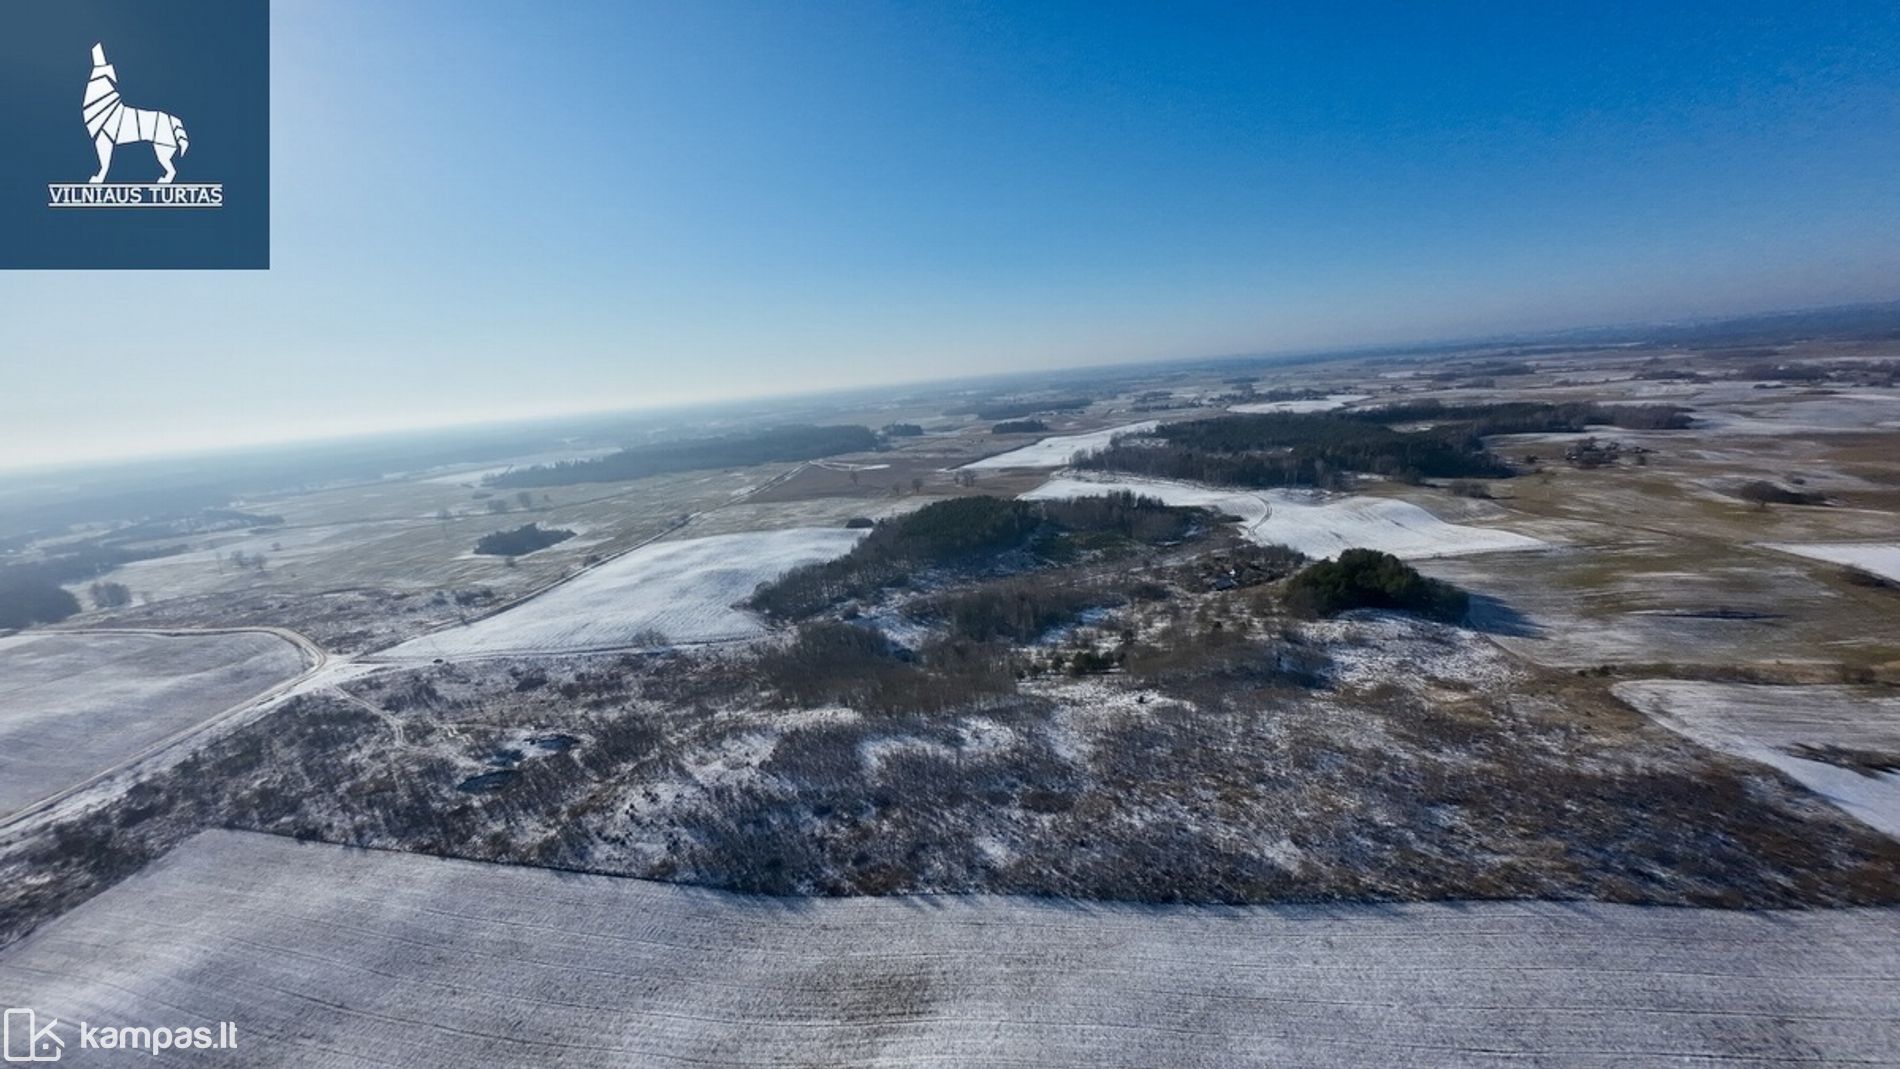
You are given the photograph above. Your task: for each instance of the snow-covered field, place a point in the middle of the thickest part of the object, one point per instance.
(1055, 451)
(1319, 525)
(1880, 558)
(72, 705)
(1765, 723)
(1307, 404)
(327, 958)
(683, 590)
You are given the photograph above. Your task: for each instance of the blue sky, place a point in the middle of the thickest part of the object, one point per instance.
(487, 209)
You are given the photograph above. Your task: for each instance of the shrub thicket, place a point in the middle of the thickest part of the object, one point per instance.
(522, 540)
(833, 663)
(27, 599)
(971, 531)
(1762, 492)
(1369, 579)
(1528, 417)
(732, 451)
(1017, 610)
(1020, 426)
(1297, 449)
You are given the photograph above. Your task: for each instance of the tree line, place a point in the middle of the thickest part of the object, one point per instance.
(966, 531)
(1325, 449)
(802, 442)
(521, 540)
(1295, 449)
(32, 592)
(1000, 410)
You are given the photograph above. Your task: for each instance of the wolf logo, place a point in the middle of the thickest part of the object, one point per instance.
(111, 123)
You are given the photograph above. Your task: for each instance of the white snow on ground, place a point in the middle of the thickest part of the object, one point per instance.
(1763, 723)
(75, 704)
(1371, 649)
(1054, 452)
(1316, 524)
(683, 590)
(473, 476)
(1880, 558)
(1307, 404)
(332, 958)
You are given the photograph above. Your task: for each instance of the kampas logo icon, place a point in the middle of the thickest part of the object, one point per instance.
(111, 123)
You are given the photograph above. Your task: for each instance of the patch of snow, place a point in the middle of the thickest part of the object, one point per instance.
(1367, 649)
(1880, 558)
(685, 591)
(1763, 723)
(1316, 524)
(75, 704)
(1305, 404)
(1058, 450)
(354, 958)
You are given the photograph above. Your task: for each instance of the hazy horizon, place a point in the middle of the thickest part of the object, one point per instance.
(622, 210)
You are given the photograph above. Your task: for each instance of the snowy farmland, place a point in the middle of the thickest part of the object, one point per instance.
(1880, 558)
(679, 591)
(75, 704)
(1305, 404)
(328, 957)
(1776, 725)
(1058, 450)
(1316, 524)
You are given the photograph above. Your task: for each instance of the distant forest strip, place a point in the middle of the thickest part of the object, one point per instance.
(1295, 449)
(31, 591)
(1020, 426)
(1000, 410)
(971, 531)
(1325, 448)
(1530, 417)
(730, 451)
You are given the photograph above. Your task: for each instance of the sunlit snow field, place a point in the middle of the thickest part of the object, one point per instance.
(338, 958)
(1316, 524)
(1058, 450)
(75, 704)
(679, 592)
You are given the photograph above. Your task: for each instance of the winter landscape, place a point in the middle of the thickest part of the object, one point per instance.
(1450, 655)
(893, 535)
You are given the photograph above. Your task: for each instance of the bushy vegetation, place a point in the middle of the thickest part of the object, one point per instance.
(27, 599)
(971, 531)
(1528, 417)
(1296, 449)
(110, 595)
(1244, 565)
(903, 430)
(731, 451)
(1020, 426)
(1015, 610)
(833, 663)
(1323, 448)
(1369, 579)
(521, 541)
(1763, 493)
(31, 591)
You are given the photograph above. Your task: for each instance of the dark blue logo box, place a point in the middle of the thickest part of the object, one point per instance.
(184, 86)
